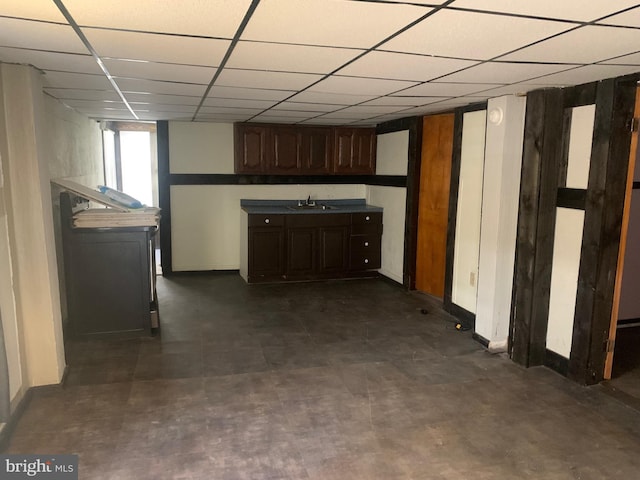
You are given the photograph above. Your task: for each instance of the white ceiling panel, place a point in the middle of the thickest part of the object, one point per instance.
(633, 59)
(240, 111)
(289, 58)
(630, 18)
(70, 62)
(564, 9)
(589, 73)
(159, 71)
(165, 99)
(36, 9)
(340, 23)
(238, 103)
(327, 121)
(39, 36)
(157, 48)
(82, 94)
(151, 86)
(360, 86)
(214, 18)
(223, 117)
(293, 114)
(249, 93)
(404, 101)
(275, 119)
(371, 110)
(163, 116)
(75, 80)
(307, 107)
(89, 105)
(494, 72)
(472, 35)
(515, 89)
(330, 98)
(265, 79)
(401, 66)
(350, 116)
(579, 46)
(434, 89)
(163, 107)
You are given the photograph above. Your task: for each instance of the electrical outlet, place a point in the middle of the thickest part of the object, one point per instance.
(472, 279)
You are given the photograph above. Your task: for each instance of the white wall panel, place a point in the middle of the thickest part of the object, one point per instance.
(392, 155)
(567, 245)
(200, 147)
(467, 240)
(580, 140)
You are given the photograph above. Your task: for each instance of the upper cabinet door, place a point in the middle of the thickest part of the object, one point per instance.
(286, 151)
(251, 148)
(355, 151)
(316, 151)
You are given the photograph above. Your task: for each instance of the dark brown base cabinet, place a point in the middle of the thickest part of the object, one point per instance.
(310, 246)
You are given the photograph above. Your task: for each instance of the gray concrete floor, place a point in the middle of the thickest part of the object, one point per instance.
(334, 380)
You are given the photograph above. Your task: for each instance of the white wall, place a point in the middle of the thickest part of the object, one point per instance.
(205, 219)
(392, 153)
(200, 147)
(500, 199)
(467, 239)
(393, 200)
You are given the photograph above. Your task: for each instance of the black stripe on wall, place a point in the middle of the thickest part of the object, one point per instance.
(572, 198)
(232, 179)
(636, 185)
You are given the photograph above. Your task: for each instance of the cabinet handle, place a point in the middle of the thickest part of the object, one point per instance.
(367, 218)
(366, 244)
(366, 260)
(266, 220)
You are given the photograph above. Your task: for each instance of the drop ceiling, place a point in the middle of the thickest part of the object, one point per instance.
(344, 62)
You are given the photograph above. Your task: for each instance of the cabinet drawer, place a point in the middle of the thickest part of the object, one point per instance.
(364, 259)
(365, 244)
(260, 220)
(366, 223)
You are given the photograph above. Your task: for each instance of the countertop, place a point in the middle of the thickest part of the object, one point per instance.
(290, 207)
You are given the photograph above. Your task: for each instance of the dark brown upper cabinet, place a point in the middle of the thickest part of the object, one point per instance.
(355, 151)
(302, 150)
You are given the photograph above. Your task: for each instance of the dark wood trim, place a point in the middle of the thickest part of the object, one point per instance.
(164, 197)
(233, 179)
(536, 225)
(467, 318)
(580, 95)
(566, 137)
(411, 206)
(572, 198)
(602, 226)
(628, 321)
(556, 362)
(480, 339)
(397, 125)
(636, 185)
(453, 205)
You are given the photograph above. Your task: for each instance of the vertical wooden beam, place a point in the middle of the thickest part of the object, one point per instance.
(413, 192)
(602, 226)
(536, 225)
(164, 197)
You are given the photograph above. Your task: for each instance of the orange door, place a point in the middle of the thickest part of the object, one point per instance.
(433, 203)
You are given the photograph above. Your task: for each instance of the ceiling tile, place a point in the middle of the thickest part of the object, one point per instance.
(159, 71)
(633, 59)
(239, 111)
(402, 66)
(630, 18)
(275, 119)
(289, 58)
(82, 94)
(565, 9)
(162, 107)
(151, 86)
(249, 93)
(223, 117)
(407, 101)
(238, 103)
(351, 116)
(75, 80)
(330, 98)
(70, 62)
(472, 35)
(579, 46)
(166, 99)
(36, 9)
(88, 105)
(433, 89)
(292, 114)
(39, 36)
(515, 89)
(495, 72)
(327, 121)
(343, 23)
(589, 73)
(214, 18)
(157, 48)
(360, 86)
(265, 80)
(372, 110)
(306, 107)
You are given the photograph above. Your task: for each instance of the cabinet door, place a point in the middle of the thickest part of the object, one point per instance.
(251, 148)
(286, 151)
(364, 159)
(266, 252)
(334, 245)
(316, 152)
(343, 150)
(301, 251)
